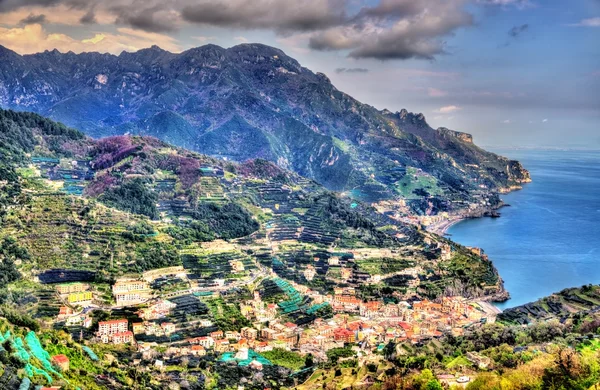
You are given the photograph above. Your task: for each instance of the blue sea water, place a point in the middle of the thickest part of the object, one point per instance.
(549, 238)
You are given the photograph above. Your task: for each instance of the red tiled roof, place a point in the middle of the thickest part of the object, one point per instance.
(60, 359)
(111, 322)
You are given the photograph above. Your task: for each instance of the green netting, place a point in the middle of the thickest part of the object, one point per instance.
(32, 371)
(39, 352)
(203, 293)
(90, 353)
(295, 298)
(315, 308)
(5, 337)
(252, 355)
(20, 350)
(25, 384)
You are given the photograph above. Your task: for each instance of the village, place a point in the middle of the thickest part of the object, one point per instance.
(367, 326)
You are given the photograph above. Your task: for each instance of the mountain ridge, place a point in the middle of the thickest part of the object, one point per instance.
(253, 100)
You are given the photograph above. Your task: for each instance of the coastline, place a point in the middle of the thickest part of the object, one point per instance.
(441, 228)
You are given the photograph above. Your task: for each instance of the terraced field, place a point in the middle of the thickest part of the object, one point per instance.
(562, 306)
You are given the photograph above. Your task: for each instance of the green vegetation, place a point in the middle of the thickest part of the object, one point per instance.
(10, 253)
(284, 358)
(227, 316)
(418, 184)
(133, 196)
(381, 266)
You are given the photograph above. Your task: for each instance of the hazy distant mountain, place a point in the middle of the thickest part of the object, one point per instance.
(254, 101)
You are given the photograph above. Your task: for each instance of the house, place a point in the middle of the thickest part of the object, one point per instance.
(138, 328)
(268, 334)
(217, 334)
(255, 365)
(122, 337)
(249, 333)
(482, 362)
(345, 335)
(112, 327)
(132, 298)
(198, 350)
(158, 309)
(68, 288)
(129, 285)
(131, 292)
(114, 331)
(87, 322)
(80, 297)
(168, 327)
(61, 361)
(205, 323)
(232, 335)
(206, 342)
(64, 312)
(221, 345)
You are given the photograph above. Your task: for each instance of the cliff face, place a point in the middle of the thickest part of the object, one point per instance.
(517, 173)
(254, 101)
(467, 138)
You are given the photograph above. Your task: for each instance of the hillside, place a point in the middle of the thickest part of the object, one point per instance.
(571, 304)
(127, 204)
(253, 101)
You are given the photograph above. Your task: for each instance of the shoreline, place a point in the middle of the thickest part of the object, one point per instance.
(441, 228)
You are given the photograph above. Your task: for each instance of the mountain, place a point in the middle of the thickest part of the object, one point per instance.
(128, 204)
(253, 101)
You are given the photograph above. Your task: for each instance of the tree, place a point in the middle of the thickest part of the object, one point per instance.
(433, 384)
(309, 361)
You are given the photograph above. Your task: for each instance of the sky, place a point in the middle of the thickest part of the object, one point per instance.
(520, 73)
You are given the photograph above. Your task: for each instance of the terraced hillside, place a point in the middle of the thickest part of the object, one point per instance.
(144, 204)
(570, 304)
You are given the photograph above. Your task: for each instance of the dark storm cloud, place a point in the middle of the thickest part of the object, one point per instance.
(34, 19)
(351, 70)
(518, 30)
(152, 19)
(279, 15)
(89, 17)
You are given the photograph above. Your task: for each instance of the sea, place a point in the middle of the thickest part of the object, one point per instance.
(548, 238)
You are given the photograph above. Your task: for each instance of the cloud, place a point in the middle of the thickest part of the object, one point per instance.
(544, 120)
(396, 29)
(203, 39)
(591, 22)
(151, 19)
(89, 17)
(279, 15)
(34, 38)
(382, 29)
(448, 109)
(351, 70)
(241, 39)
(516, 31)
(506, 121)
(34, 19)
(434, 92)
(520, 4)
